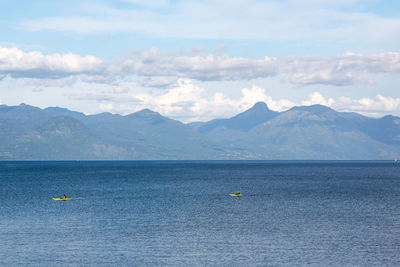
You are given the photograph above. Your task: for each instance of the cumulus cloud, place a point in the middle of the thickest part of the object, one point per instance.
(374, 107)
(187, 101)
(175, 100)
(337, 70)
(201, 67)
(156, 68)
(366, 105)
(318, 98)
(340, 70)
(16, 63)
(106, 107)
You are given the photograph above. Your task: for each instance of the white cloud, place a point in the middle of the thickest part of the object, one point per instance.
(120, 90)
(337, 70)
(379, 105)
(374, 107)
(187, 101)
(279, 104)
(17, 63)
(201, 67)
(156, 68)
(318, 98)
(175, 101)
(106, 107)
(221, 106)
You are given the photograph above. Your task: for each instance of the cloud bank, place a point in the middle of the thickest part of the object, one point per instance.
(156, 68)
(188, 102)
(338, 70)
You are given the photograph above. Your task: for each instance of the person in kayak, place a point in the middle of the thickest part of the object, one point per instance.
(64, 197)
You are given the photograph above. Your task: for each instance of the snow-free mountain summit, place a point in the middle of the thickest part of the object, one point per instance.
(304, 132)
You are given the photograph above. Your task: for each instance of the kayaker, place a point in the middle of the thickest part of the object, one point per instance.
(64, 197)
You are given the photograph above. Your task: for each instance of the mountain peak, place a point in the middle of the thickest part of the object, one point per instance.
(56, 109)
(24, 106)
(259, 106)
(258, 113)
(314, 108)
(146, 112)
(259, 109)
(148, 115)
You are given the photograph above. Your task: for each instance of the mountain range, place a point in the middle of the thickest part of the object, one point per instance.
(304, 133)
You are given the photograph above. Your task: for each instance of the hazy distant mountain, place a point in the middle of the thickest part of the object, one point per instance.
(317, 132)
(244, 121)
(306, 132)
(54, 133)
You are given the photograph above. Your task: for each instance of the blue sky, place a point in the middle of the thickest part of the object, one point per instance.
(198, 60)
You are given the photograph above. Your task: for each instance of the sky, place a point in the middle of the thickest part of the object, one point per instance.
(201, 60)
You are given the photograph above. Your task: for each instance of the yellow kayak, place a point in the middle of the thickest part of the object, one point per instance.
(235, 195)
(61, 198)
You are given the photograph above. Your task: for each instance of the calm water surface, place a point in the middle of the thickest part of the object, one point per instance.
(180, 214)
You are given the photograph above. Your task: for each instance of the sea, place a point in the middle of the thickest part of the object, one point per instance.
(180, 213)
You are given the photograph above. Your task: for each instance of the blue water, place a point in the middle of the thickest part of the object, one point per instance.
(180, 214)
